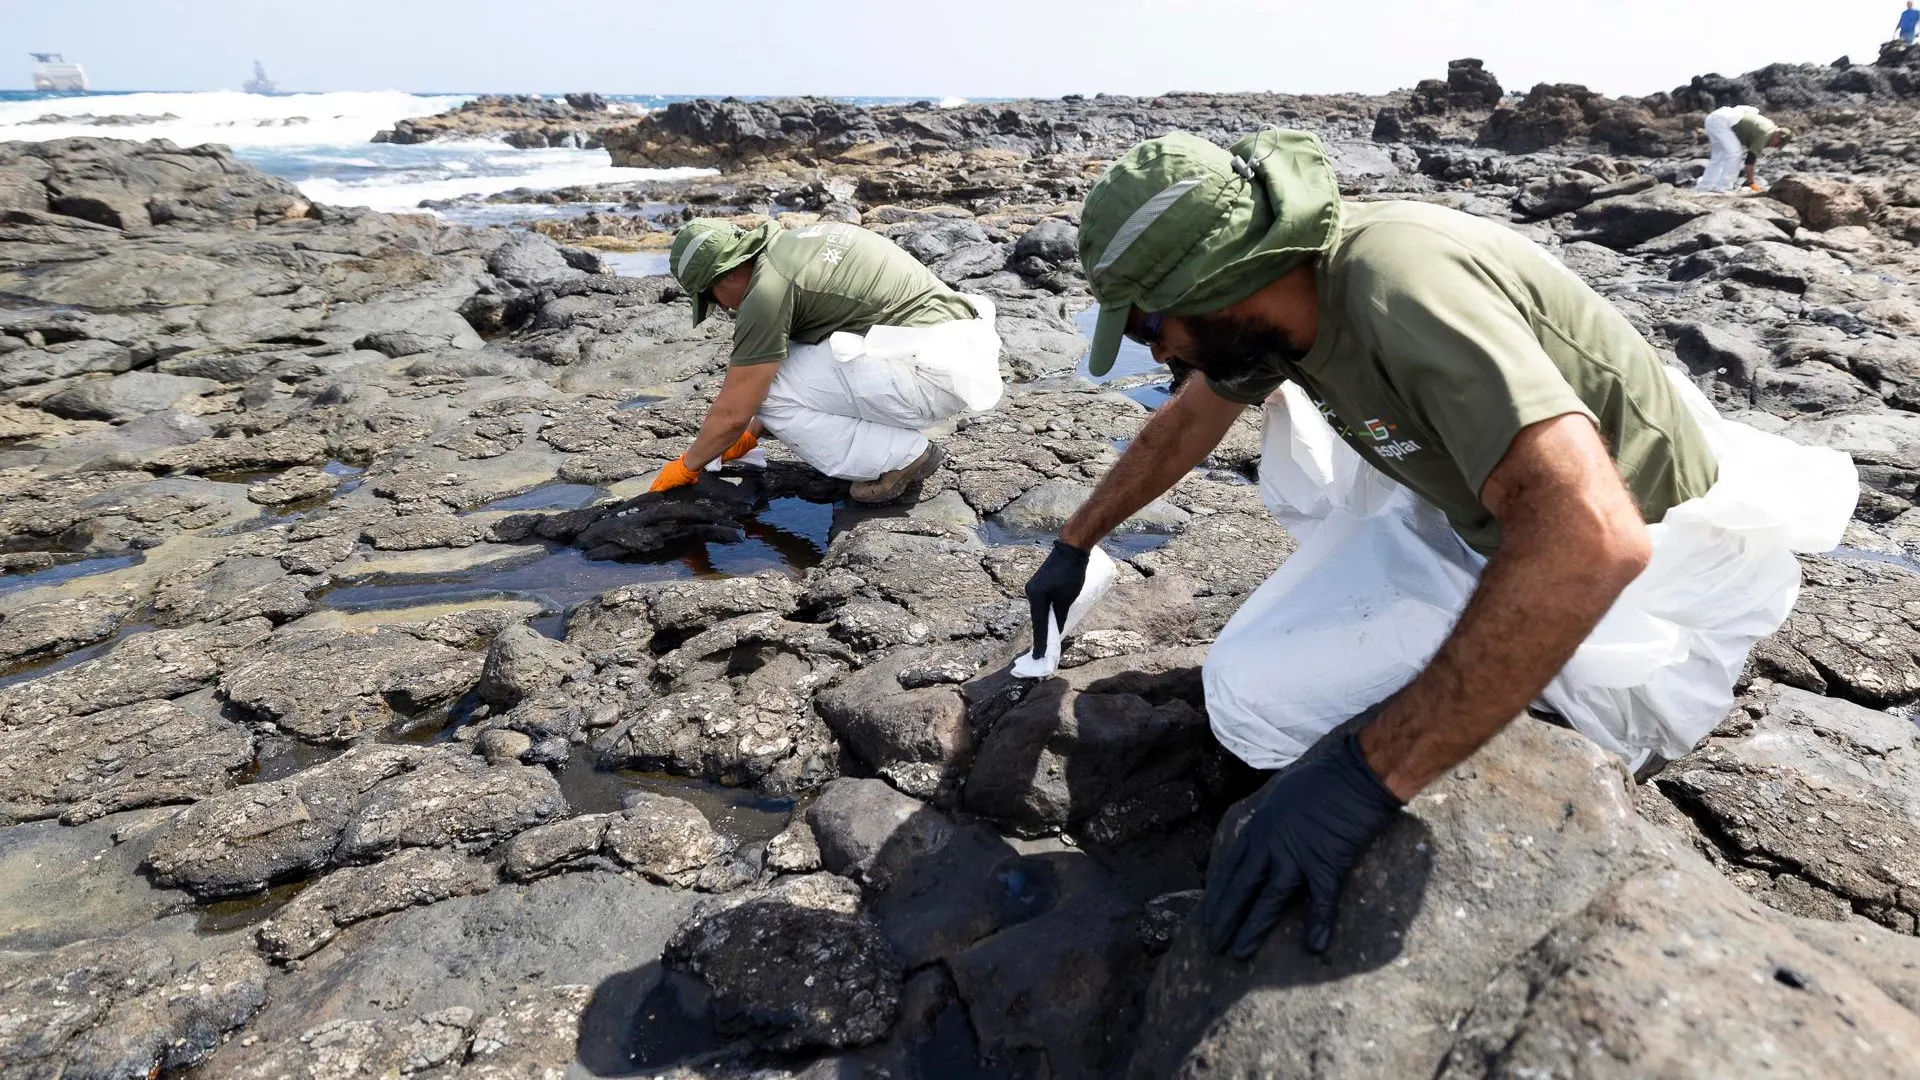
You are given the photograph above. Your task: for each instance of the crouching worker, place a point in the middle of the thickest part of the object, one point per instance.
(1738, 134)
(844, 348)
(1503, 499)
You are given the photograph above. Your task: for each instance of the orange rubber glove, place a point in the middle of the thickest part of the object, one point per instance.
(740, 446)
(676, 474)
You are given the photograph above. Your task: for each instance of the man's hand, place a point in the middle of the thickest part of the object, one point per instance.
(676, 474)
(741, 446)
(1310, 829)
(1053, 588)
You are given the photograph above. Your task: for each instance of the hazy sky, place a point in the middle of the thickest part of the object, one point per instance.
(981, 48)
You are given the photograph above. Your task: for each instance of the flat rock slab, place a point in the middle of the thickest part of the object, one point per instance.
(139, 667)
(60, 883)
(411, 878)
(499, 978)
(122, 1008)
(297, 484)
(149, 754)
(1818, 797)
(59, 626)
(1851, 634)
(128, 396)
(367, 802)
(330, 685)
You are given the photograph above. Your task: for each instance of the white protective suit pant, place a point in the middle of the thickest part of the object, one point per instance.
(1380, 578)
(1727, 157)
(853, 406)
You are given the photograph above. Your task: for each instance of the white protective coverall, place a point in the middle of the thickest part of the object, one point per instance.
(1728, 157)
(1381, 577)
(853, 406)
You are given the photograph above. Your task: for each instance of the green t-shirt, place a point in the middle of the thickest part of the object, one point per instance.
(1442, 336)
(1753, 131)
(813, 282)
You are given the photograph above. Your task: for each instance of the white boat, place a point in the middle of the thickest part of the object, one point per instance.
(52, 72)
(259, 84)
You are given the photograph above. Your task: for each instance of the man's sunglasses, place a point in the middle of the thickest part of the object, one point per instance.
(1145, 330)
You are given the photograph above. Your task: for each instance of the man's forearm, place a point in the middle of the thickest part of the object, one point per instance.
(1524, 622)
(717, 432)
(1177, 437)
(1572, 541)
(733, 408)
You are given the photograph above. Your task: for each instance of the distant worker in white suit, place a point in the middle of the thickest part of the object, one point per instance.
(1737, 133)
(844, 347)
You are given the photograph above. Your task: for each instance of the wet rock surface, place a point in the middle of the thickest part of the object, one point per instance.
(360, 715)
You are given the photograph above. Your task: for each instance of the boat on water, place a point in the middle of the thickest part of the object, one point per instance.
(260, 84)
(51, 71)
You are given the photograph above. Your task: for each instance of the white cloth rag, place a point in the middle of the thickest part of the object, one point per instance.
(1101, 574)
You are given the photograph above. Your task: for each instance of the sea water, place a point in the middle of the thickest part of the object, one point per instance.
(322, 142)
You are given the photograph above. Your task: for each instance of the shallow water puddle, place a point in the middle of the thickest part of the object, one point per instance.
(69, 568)
(277, 757)
(742, 814)
(1153, 394)
(1885, 558)
(636, 263)
(12, 674)
(556, 579)
(546, 497)
(789, 534)
(241, 912)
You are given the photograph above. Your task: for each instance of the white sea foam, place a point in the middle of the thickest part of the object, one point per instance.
(225, 116)
(540, 170)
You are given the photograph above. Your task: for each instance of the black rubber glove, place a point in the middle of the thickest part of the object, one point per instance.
(1052, 589)
(1310, 830)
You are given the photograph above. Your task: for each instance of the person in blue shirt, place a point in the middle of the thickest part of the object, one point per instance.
(1909, 21)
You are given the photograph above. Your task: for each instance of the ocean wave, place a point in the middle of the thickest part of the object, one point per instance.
(221, 116)
(952, 102)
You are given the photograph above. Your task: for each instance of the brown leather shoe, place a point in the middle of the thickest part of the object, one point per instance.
(894, 483)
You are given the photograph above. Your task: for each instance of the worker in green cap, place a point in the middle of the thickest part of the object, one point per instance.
(844, 348)
(1470, 446)
(1737, 134)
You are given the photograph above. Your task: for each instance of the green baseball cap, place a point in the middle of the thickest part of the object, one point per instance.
(705, 249)
(1180, 225)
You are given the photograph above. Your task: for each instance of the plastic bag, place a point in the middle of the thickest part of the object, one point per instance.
(962, 355)
(1101, 574)
(1380, 578)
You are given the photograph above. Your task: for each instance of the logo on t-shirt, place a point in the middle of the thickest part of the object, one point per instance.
(1386, 444)
(1380, 436)
(839, 238)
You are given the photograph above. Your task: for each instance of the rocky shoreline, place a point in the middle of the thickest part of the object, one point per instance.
(358, 716)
